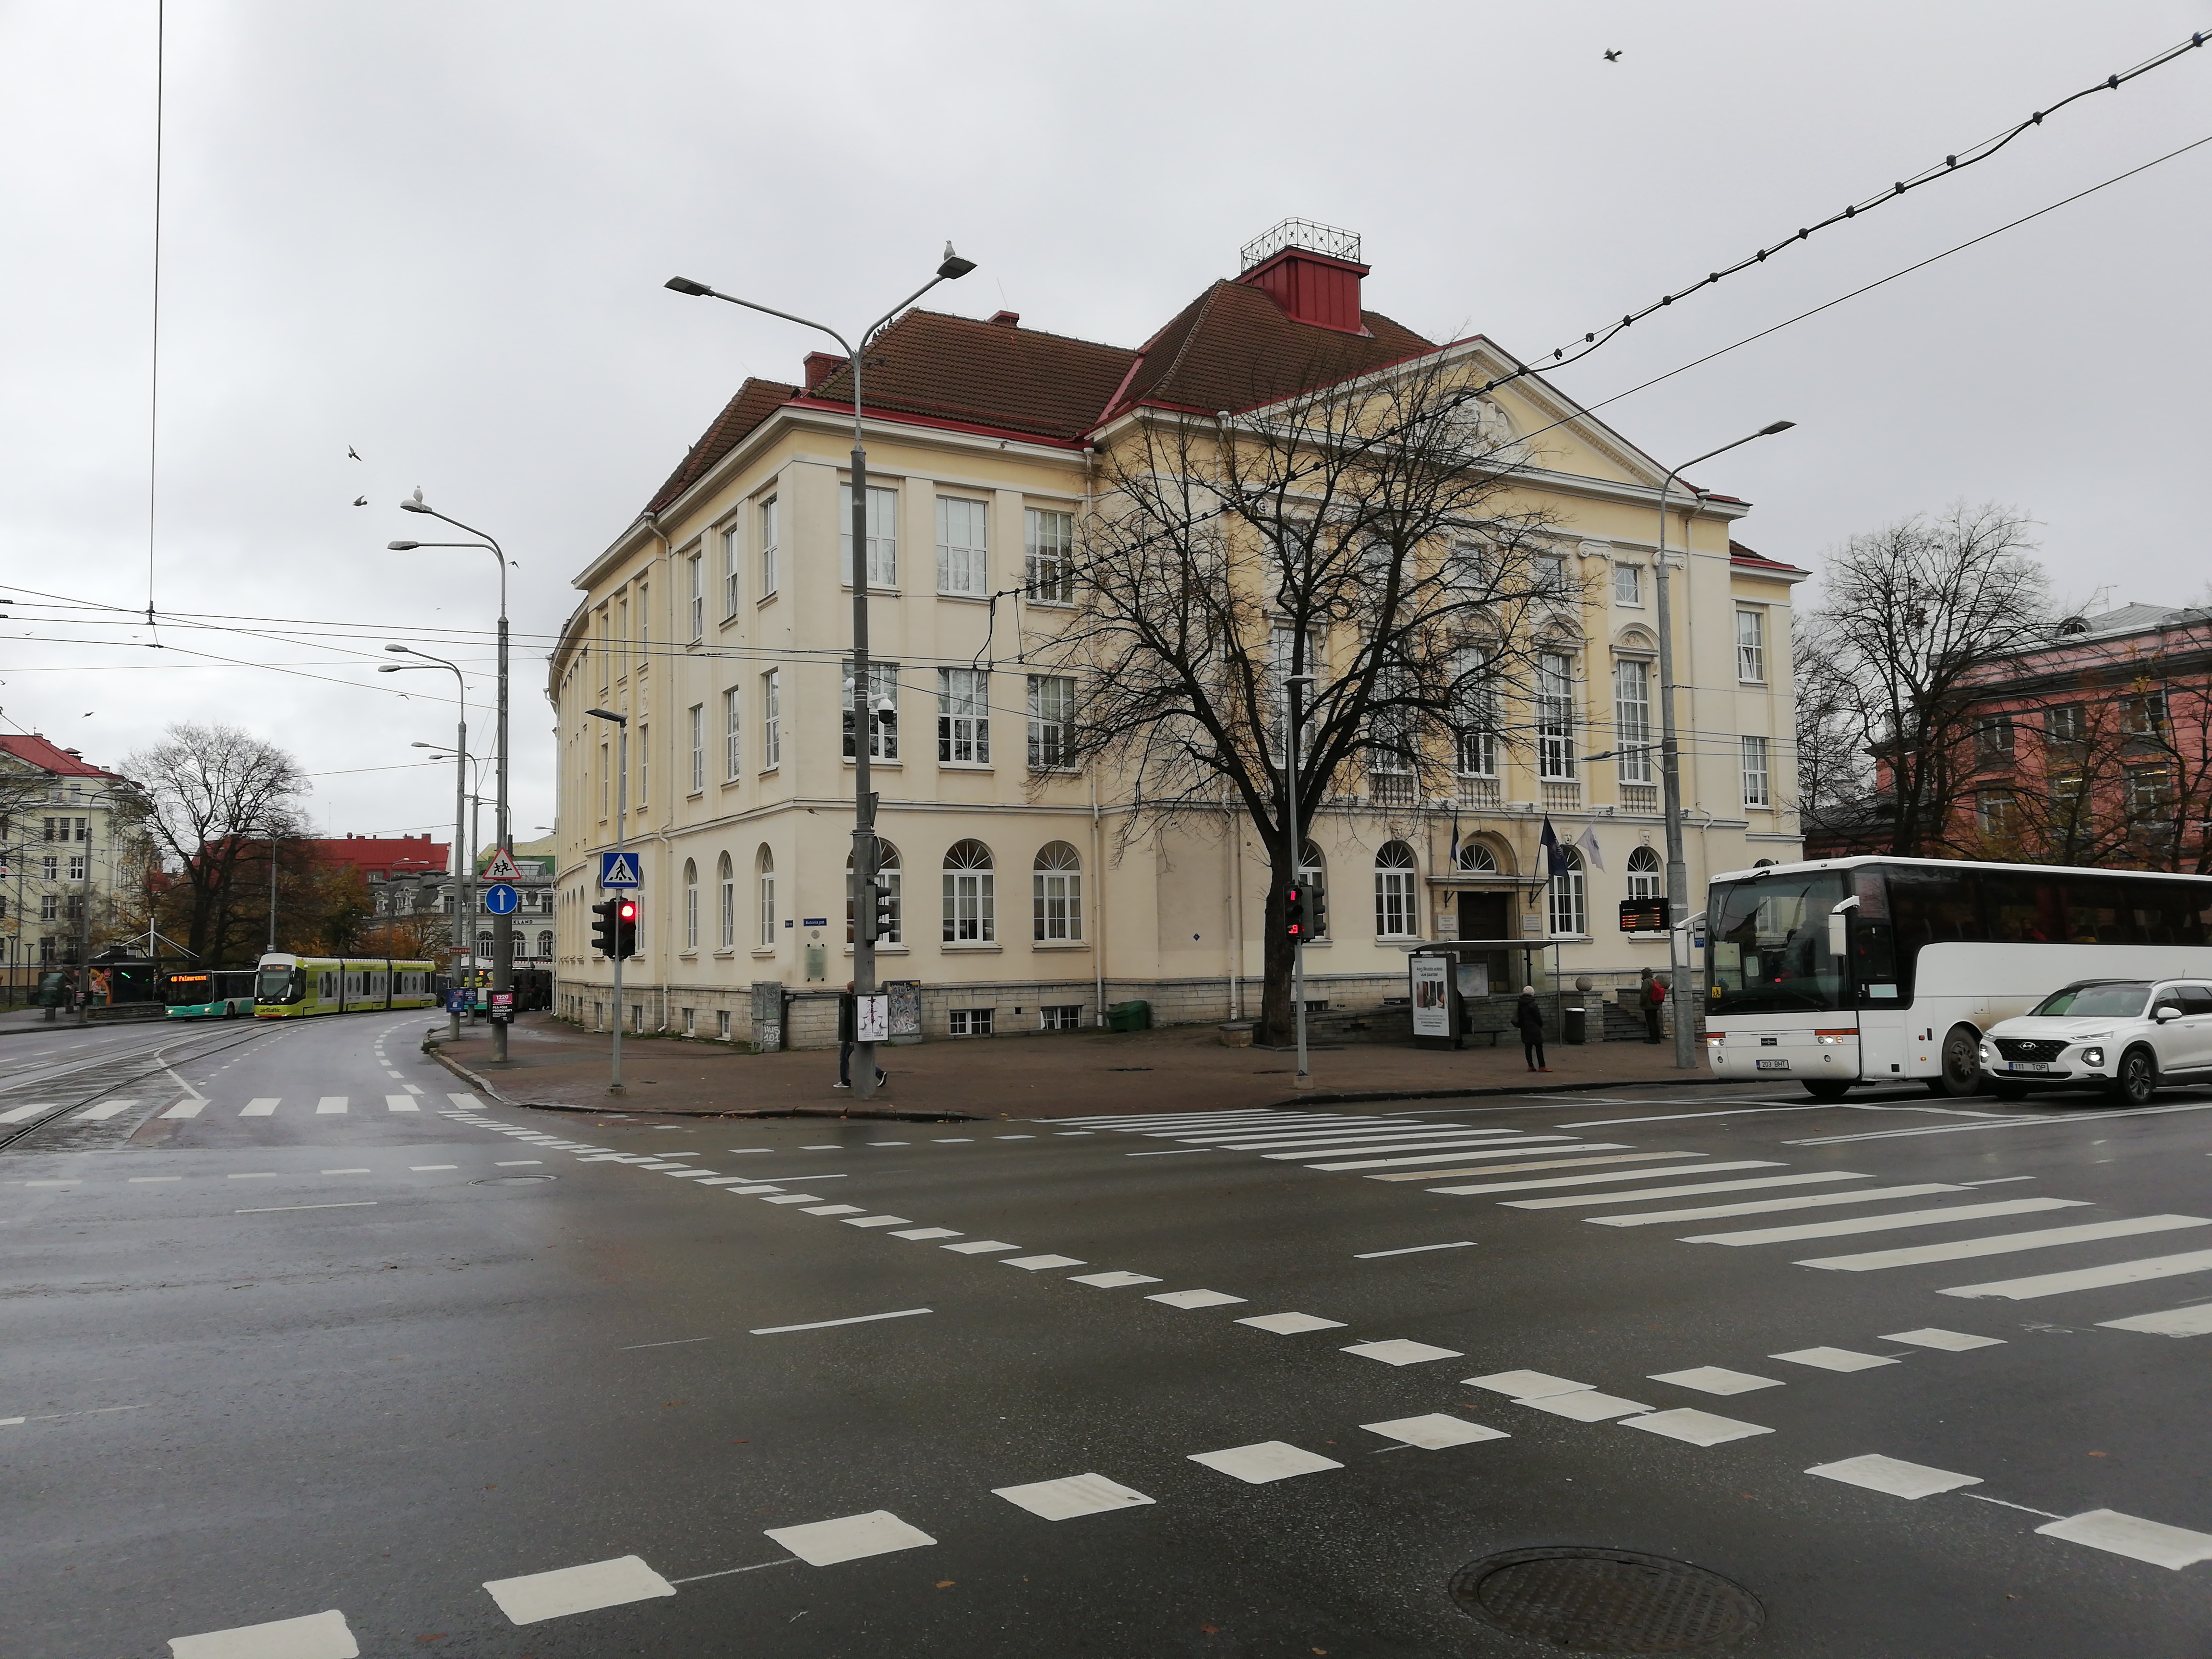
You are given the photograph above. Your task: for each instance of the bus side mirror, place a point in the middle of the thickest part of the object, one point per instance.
(1839, 935)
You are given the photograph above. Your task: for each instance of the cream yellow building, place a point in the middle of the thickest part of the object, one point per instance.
(718, 621)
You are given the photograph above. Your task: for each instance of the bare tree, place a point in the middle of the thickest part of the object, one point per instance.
(215, 796)
(1364, 534)
(1909, 615)
(1832, 764)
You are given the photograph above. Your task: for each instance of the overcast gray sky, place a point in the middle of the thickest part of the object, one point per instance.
(435, 231)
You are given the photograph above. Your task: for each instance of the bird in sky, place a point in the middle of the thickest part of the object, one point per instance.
(360, 501)
(353, 454)
(1612, 56)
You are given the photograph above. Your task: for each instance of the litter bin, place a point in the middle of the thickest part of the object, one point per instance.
(1574, 1025)
(1129, 1017)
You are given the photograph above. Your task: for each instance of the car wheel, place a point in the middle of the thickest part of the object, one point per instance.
(1962, 1065)
(2136, 1080)
(1828, 1090)
(2009, 1091)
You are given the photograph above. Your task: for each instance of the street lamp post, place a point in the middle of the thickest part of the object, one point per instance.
(502, 928)
(1295, 684)
(462, 884)
(864, 799)
(622, 795)
(1670, 772)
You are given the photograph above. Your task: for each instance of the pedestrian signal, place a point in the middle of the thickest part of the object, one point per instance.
(1294, 914)
(625, 928)
(603, 927)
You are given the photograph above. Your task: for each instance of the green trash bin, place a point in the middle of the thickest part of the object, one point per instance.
(1129, 1017)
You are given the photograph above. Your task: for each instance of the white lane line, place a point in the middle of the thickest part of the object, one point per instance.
(2004, 1123)
(1314, 1129)
(849, 1538)
(780, 1561)
(1715, 1379)
(140, 1181)
(468, 1101)
(186, 1108)
(272, 1209)
(1677, 1117)
(1945, 1341)
(314, 1636)
(920, 1233)
(329, 1104)
(1415, 1249)
(1433, 1174)
(1074, 1495)
(1618, 1175)
(1290, 1324)
(1113, 1281)
(1525, 1385)
(1881, 1223)
(1396, 1350)
(1435, 1431)
(978, 1246)
(1770, 1205)
(1696, 1189)
(1893, 1475)
(253, 1175)
(71, 1182)
(18, 1113)
(1351, 1139)
(1182, 1151)
(360, 1171)
(424, 1169)
(1834, 1359)
(796, 1198)
(400, 1103)
(2137, 1539)
(103, 1111)
(1196, 1298)
(1265, 1460)
(1489, 1149)
(672, 1342)
(1586, 1405)
(2004, 1243)
(836, 1209)
(826, 1324)
(876, 1221)
(1039, 1263)
(1998, 1181)
(747, 1151)
(1698, 1428)
(1442, 1146)
(2088, 1278)
(567, 1590)
(514, 1163)
(2172, 1322)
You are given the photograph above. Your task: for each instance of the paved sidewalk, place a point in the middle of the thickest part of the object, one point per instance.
(1068, 1074)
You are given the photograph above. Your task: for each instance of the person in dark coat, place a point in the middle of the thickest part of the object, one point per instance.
(1652, 995)
(1528, 1017)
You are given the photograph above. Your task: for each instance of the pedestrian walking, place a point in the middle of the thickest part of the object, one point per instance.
(1530, 1017)
(849, 1024)
(1652, 995)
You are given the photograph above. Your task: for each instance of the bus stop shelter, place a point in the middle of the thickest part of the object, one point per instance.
(1463, 988)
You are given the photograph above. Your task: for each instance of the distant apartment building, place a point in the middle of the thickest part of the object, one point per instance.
(67, 830)
(719, 621)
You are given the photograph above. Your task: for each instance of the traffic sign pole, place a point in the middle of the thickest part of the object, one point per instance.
(621, 792)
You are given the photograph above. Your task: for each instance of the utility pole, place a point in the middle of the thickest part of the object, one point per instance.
(622, 795)
(1298, 872)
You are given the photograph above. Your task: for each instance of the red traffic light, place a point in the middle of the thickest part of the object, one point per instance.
(627, 910)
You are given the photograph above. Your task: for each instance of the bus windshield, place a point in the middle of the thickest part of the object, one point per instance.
(188, 990)
(1768, 944)
(2118, 999)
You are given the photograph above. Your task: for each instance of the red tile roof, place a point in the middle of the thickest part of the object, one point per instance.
(393, 855)
(1739, 554)
(35, 750)
(756, 401)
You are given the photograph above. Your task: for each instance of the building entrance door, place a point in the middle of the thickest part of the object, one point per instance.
(1486, 915)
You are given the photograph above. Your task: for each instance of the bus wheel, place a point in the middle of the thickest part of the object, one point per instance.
(2136, 1078)
(1828, 1090)
(1962, 1065)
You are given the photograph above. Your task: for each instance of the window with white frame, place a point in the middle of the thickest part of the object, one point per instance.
(1646, 878)
(726, 884)
(603, 783)
(1758, 789)
(644, 754)
(969, 901)
(1628, 584)
(545, 945)
(1547, 575)
(764, 877)
(1476, 860)
(690, 905)
(698, 563)
(769, 517)
(1477, 700)
(1282, 645)
(963, 717)
(1631, 719)
(771, 720)
(888, 880)
(1751, 646)
(1313, 876)
(969, 1022)
(1555, 717)
(1052, 716)
(1049, 555)
(698, 747)
(882, 535)
(1056, 892)
(644, 658)
(1397, 908)
(1570, 894)
(734, 553)
(963, 566)
(733, 732)
(883, 711)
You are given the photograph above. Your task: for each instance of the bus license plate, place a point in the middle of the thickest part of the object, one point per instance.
(2031, 1065)
(1773, 1065)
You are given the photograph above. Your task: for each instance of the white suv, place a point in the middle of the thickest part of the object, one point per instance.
(2125, 1036)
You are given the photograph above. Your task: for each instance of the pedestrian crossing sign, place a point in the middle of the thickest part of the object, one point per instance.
(501, 867)
(619, 870)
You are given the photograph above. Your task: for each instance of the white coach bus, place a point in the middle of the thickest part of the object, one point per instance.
(1848, 971)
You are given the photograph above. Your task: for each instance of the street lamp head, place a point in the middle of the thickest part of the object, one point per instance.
(1780, 426)
(953, 269)
(401, 547)
(426, 745)
(417, 505)
(401, 649)
(608, 714)
(685, 285)
(392, 668)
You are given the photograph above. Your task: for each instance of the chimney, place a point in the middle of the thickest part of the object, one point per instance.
(1311, 270)
(820, 366)
(1006, 318)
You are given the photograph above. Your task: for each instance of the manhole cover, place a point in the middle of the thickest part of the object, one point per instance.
(511, 1181)
(1600, 1600)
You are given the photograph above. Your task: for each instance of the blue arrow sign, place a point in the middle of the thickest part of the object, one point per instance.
(619, 870)
(500, 899)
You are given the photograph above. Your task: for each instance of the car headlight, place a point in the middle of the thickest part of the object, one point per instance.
(1988, 1059)
(2092, 1056)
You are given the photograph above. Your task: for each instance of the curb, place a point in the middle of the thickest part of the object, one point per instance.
(631, 1109)
(466, 1075)
(1352, 1097)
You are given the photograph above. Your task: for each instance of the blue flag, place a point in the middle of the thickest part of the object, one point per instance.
(1549, 840)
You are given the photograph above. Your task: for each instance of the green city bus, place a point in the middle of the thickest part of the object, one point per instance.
(210, 994)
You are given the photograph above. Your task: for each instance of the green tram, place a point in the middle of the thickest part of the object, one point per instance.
(291, 987)
(210, 994)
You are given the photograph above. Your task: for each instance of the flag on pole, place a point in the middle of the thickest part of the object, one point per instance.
(1549, 844)
(1588, 841)
(1455, 841)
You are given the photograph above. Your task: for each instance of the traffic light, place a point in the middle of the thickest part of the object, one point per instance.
(886, 908)
(1317, 912)
(603, 927)
(1294, 914)
(626, 927)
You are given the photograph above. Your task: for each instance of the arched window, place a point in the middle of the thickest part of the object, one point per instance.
(1313, 875)
(968, 898)
(726, 878)
(887, 873)
(1476, 860)
(1644, 876)
(1397, 910)
(545, 945)
(1056, 911)
(483, 946)
(764, 869)
(690, 905)
(1570, 895)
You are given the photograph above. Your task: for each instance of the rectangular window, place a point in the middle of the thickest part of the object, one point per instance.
(1056, 899)
(2147, 792)
(1628, 584)
(767, 935)
(698, 597)
(1060, 1016)
(1396, 913)
(1757, 788)
(698, 747)
(1547, 575)
(1555, 717)
(49, 907)
(882, 535)
(644, 657)
(76, 866)
(621, 634)
(734, 746)
(970, 897)
(1993, 738)
(602, 783)
(970, 1022)
(1050, 556)
(51, 866)
(733, 548)
(961, 565)
(1751, 646)
(2141, 716)
(1052, 716)
(84, 828)
(1993, 811)
(963, 717)
(1631, 719)
(644, 751)
(768, 549)
(771, 720)
(1476, 696)
(606, 651)
(883, 711)
(51, 836)
(2065, 724)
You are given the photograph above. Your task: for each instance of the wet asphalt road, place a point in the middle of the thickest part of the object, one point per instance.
(334, 1361)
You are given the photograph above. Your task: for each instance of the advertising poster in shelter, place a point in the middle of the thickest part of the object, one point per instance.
(1431, 989)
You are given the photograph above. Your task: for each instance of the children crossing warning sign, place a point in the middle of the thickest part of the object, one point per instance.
(501, 867)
